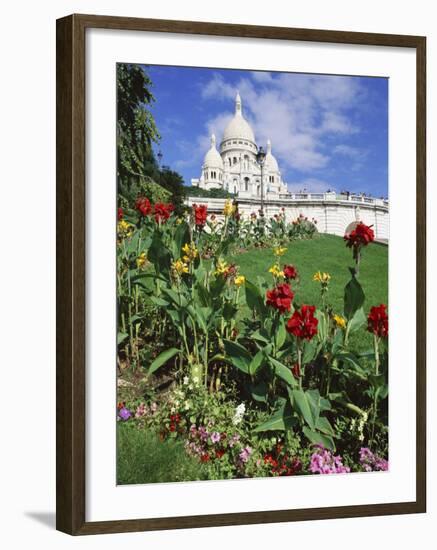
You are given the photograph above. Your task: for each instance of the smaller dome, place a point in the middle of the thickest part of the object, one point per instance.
(271, 163)
(212, 157)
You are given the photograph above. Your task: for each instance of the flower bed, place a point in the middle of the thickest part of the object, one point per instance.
(253, 381)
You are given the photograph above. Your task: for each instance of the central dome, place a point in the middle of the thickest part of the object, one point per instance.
(238, 127)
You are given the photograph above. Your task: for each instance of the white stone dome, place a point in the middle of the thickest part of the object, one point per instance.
(212, 157)
(238, 127)
(271, 163)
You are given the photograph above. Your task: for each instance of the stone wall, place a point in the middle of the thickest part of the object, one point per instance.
(333, 213)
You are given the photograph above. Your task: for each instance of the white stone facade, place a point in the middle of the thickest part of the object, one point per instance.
(234, 167)
(334, 214)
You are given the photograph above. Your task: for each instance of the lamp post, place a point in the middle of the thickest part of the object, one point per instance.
(260, 159)
(159, 155)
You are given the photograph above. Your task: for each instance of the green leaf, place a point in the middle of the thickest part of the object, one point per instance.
(310, 350)
(159, 301)
(283, 372)
(256, 363)
(259, 392)
(353, 298)
(357, 321)
(319, 439)
(181, 236)
(238, 355)
(254, 298)
(323, 425)
(162, 359)
(121, 337)
(280, 334)
(282, 420)
(302, 404)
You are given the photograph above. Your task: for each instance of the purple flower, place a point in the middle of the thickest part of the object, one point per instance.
(234, 439)
(371, 462)
(141, 410)
(124, 413)
(245, 454)
(323, 462)
(215, 437)
(203, 433)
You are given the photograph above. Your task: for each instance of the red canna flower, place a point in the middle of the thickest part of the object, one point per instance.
(295, 369)
(377, 321)
(205, 457)
(303, 324)
(290, 272)
(172, 427)
(219, 453)
(280, 297)
(162, 211)
(142, 204)
(362, 235)
(200, 214)
(120, 213)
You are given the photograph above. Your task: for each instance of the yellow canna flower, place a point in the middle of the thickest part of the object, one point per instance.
(179, 267)
(240, 280)
(339, 321)
(320, 277)
(276, 272)
(124, 229)
(229, 208)
(179, 221)
(221, 267)
(190, 251)
(279, 251)
(141, 260)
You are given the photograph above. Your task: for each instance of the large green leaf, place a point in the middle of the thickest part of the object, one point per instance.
(259, 392)
(159, 255)
(357, 321)
(353, 297)
(181, 236)
(319, 439)
(283, 372)
(254, 298)
(323, 425)
(281, 334)
(238, 355)
(256, 362)
(302, 404)
(162, 359)
(282, 420)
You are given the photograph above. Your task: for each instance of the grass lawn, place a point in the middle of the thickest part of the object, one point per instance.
(325, 253)
(143, 458)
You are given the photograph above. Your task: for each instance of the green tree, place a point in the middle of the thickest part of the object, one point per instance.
(173, 182)
(136, 128)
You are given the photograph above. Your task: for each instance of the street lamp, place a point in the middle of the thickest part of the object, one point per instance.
(260, 159)
(159, 155)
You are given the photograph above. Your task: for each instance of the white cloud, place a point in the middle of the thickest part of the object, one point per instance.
(356, 154)
(297, 112)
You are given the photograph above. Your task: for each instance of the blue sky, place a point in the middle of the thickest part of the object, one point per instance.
(326, 131)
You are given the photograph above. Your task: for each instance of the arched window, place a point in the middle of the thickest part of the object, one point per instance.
(230, 161)
(246, 184)
(234, 160)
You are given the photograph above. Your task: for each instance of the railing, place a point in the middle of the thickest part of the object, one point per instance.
(284, 197)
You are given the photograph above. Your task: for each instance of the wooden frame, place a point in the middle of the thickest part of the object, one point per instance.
(70, 173)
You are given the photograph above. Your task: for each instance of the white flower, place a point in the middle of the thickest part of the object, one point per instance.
(186, 380)
(239, 413)
(195, 379)
(187, 405)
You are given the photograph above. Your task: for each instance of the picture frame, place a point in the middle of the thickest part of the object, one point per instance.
(71, 204)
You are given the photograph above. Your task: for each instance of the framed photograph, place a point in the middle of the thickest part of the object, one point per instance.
(241, 274)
